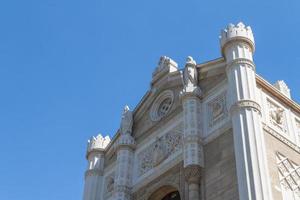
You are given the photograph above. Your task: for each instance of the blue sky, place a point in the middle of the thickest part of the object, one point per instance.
(67, 68)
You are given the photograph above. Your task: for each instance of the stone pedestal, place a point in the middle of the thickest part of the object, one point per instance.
(193, 149)
(125, 147)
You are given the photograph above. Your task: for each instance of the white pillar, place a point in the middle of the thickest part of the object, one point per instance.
(94, 172)
(237, 44)
(193, 150)
(125, 147)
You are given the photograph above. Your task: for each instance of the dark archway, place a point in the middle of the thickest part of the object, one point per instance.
(172, 196)
(166, 193)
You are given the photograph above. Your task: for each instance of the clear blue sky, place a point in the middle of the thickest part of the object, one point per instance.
(67, 68)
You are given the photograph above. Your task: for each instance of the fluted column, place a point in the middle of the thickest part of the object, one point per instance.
(125, 147)
(237, 44)
(94, 172)
(193, 150)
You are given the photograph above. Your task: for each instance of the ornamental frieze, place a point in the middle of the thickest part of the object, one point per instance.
(160, 150)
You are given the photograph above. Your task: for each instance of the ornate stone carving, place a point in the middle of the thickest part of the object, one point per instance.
(109, 185)
(190, 79)
(283, 88)
(162, 105)
(192, 173)
(98, 142)
(276, 115)
(190, 75)
(289, 175)
(160, 150)
(127, 121)
(217, 110)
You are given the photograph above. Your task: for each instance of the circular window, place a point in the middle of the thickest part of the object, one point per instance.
(161, 105)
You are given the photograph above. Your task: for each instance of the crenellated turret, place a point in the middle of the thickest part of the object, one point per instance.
(94, 173)
(237, 46)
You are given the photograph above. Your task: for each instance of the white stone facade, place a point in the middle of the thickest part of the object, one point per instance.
(214, 130)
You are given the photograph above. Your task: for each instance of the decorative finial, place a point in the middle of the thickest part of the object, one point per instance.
(283, 88)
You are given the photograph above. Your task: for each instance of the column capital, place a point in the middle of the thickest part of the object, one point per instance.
(192, 173)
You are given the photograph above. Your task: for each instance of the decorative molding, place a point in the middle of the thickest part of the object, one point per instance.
(274, 91)
(162, 105)
(160, 150)
(242, 61)
(247, 104)
(281, 138)
(217, 110)
(289, 176)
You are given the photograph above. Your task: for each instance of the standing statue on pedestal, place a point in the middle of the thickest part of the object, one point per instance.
(190, 78)
(127, 121)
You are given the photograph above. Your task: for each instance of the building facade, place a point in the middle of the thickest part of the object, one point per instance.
(212, 131)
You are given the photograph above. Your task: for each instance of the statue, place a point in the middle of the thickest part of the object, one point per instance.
(190, 76)
(127, 121)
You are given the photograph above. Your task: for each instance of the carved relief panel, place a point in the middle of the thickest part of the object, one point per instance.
(277, 116)
(217, 110)
(289, 177)
(160, 150)
(109, 185)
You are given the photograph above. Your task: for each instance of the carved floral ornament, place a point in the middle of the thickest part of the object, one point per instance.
(162, 105)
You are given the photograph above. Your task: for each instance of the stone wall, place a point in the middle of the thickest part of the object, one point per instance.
(273, 147)
(219, 174)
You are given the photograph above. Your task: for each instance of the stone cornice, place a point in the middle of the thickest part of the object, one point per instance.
(280, 137)
(276, 93)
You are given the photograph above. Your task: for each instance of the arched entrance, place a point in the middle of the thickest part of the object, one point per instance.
(166, 193)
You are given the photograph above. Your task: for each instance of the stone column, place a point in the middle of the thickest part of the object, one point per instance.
(237, 44)
(193, 150)
(125, 147)
(94, 173)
